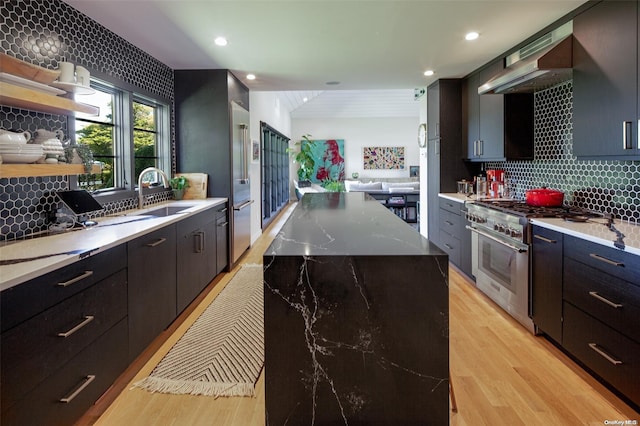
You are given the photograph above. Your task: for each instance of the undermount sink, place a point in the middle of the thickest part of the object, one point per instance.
(165, 211)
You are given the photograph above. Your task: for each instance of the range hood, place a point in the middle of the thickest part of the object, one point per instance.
(538, 71)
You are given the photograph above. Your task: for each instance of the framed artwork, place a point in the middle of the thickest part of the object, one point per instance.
(255, 151)
(414, 171)
(383, 157)
(329, 160)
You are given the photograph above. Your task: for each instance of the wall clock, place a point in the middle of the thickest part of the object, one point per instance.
(422, 135)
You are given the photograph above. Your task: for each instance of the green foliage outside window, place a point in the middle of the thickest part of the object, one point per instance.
(100, 138)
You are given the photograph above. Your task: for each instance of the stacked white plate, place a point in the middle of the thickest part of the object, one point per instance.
(20, 153)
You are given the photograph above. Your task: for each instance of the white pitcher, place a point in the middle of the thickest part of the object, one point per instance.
(7, 136)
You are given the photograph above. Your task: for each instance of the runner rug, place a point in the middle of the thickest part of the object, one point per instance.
(222, 353)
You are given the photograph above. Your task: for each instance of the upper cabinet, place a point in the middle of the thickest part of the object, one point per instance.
(498, 127)
(605, 81)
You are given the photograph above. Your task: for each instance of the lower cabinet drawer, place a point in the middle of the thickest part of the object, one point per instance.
(67, 394)
(612, 356)
(23, 301)
(451, 223)
(614, 262)
(450, 245)
(611, 300)
(452, 206)
(35, 349)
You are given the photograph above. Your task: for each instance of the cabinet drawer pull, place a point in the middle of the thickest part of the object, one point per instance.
(602, 299)
(223, 210)
(157, 243)
(86, 381)
(223, 224)
(605, 260)
(201, 241)
(448, 246)
(604, 354)
(80, 277)
(448, 223)
(546, 240)
(626, 135)
(87, 320)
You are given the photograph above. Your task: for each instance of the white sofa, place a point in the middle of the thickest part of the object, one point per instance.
(396, 185)
(382, 186)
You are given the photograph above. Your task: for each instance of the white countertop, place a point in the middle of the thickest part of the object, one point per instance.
(459, 198)
(63, 249)
(595, 230)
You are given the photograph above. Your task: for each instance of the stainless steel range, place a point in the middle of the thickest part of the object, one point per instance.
(501, 251)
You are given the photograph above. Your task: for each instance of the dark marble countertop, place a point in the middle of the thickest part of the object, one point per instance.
(347, 223)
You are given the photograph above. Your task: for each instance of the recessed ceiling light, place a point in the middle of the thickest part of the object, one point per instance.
(471, 36)
(251, 77)
(305, 99)
(429, 73)
(220, 41)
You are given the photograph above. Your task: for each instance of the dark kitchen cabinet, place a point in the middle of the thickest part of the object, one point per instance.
(222, 232)
(496, 127)
(64, 340)
(606, 91)
(601, 305)
(444, 147)
(196, 256)
(152, 286)
(203, 105)
(455, 238)
(546, 281)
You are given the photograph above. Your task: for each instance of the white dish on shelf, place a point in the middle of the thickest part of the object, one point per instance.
(16, 147)
(20, 158)
(29, 84)
(75, 88)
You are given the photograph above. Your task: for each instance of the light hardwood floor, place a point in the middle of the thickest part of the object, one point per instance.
(501, 374)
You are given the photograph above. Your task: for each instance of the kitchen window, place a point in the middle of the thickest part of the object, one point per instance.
(130, 134)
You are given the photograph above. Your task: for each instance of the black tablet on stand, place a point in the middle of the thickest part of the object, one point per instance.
(80, 202)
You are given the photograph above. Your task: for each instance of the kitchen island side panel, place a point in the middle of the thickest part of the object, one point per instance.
(356, 318)
(356, 340)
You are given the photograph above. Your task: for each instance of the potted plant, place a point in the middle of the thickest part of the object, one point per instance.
(304, 158)
(333, 185)
(178, 186)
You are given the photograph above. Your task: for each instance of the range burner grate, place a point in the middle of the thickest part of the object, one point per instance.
(521, 208)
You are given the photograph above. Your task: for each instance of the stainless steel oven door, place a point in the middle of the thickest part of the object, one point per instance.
(502, 273)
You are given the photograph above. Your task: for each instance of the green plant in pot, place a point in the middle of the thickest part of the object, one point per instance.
(333, 185)
(305, 160)
(178, 185)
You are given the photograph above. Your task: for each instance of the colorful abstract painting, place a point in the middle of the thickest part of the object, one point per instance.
(383, 157)
(329, 160)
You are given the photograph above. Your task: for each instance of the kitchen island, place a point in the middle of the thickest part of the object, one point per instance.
(356, 318)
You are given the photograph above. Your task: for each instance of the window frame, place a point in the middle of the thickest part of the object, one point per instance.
(124, 96)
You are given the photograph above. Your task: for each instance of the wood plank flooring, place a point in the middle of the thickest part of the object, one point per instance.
(502, 375)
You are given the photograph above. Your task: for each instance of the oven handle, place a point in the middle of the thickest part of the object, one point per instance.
(492, 238)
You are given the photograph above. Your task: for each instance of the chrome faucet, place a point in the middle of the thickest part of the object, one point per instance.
(165, 183)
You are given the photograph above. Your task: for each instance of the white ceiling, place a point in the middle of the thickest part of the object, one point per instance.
(382, 46)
